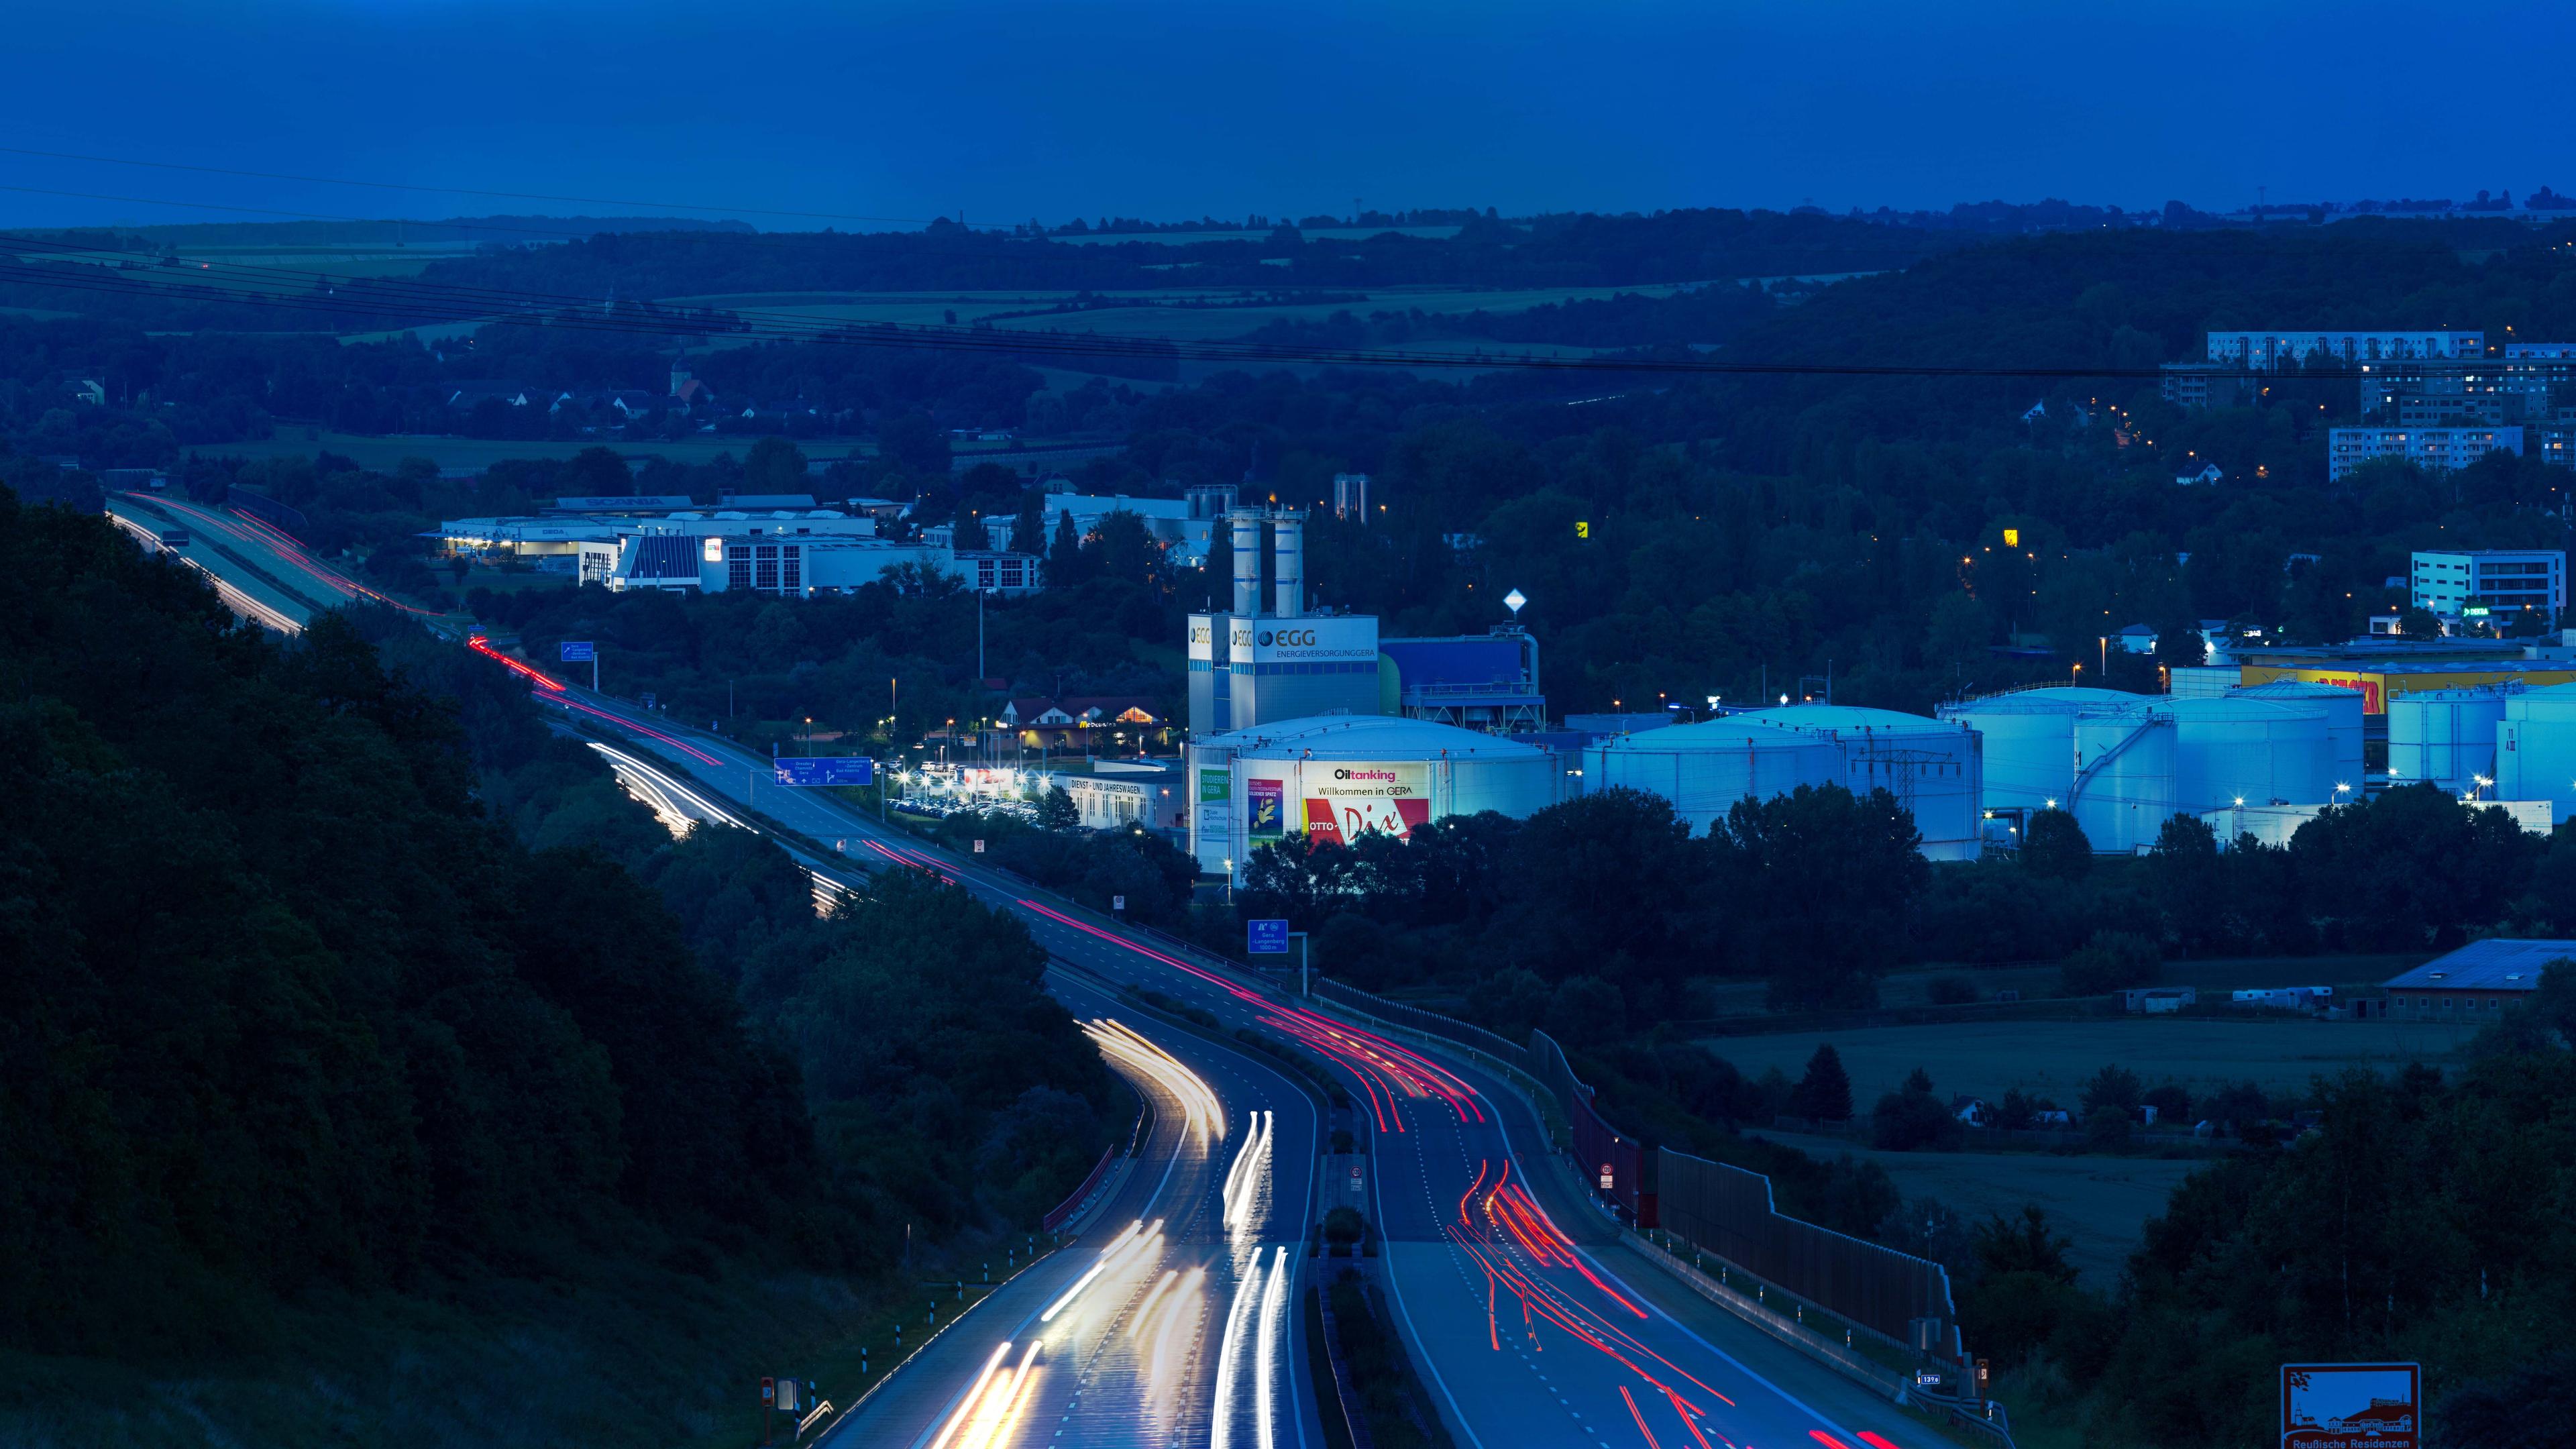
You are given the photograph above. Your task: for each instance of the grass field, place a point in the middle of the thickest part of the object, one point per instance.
(1913, 987)
(2100, 1203)
(385, 453)
(2053, 1058)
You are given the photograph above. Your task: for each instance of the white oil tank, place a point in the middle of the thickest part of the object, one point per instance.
(2536, 748)
(2445, 736)
(1704, 768)
(2124, 785)
(2233, 750)
(2343, 709)
(2029, 740)
(1931, 765)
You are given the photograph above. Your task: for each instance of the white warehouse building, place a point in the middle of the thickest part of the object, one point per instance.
(1335, 777)
(1932, 766)
(1704, 768)
(2535, 754)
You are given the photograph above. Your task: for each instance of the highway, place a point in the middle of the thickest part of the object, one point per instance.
(1529, 1323)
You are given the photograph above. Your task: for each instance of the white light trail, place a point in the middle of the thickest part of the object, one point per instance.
(1274, 1300)
(966, 1406)
(1134, 1245)
(1200, 1111)
(1229, 1355)
(1251, 1170)
(1002, 1406)
(1145, 1311)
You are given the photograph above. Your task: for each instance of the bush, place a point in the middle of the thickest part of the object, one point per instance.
(2111, 961)
(2172, 1103)
(2106, 1129)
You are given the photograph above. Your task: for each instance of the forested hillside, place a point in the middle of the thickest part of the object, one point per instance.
(293, 1012)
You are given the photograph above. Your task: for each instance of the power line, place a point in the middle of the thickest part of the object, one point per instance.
(457, 190)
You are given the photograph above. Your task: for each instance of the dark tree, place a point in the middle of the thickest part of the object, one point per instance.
(1824, 1092)
(2053, 845)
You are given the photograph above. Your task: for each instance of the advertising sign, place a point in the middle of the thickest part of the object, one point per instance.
(825, 770)
(1265, 804)
(2351, 1405)
(1214, 785)
(1344, 801)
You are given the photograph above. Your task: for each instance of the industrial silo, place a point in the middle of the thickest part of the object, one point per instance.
(2536, 748)
(1704, 768)
(2445, 736)
(2124, 787)
(2343, 708)
(1930, 765)
(2233, 750)
(2028, 741)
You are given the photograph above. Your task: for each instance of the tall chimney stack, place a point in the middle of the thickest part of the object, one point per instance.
(1289, 573)
(1247, 561)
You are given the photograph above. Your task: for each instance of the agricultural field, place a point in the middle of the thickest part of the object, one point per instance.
(2101, 1204)
(385, 453)
(2053, 1058)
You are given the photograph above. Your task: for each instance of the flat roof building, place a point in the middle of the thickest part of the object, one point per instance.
(2438, 449)
(2489, 582)
(2264, 351)
(2477, 981)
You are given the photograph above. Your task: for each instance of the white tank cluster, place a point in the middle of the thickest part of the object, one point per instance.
(2124, 764)
(1932, 766)
(2029, 739)
(1704, 768)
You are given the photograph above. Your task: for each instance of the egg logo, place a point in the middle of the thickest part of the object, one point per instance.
(1264, 640)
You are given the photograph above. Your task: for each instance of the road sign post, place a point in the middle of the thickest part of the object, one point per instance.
(819, 770)
(1265, 938)
(576, 651)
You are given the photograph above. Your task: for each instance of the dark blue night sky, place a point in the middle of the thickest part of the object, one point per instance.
(1020, 110)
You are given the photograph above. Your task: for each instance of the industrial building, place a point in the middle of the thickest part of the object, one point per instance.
(794, 567)
(1338, 776)
(1931, 766)
(1253, 666)
(2535, 754)
(2387, 669)
(2476, 982)
(1483, 681)
(1704, 768)
(2445, 737)
(2139, 766)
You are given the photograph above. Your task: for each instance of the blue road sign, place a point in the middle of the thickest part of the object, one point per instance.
(825, 770)
(1266, 938)
(579, 651)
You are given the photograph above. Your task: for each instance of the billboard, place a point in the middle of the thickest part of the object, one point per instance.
(1347, 799)
(1265, 803)
(2351, 1406)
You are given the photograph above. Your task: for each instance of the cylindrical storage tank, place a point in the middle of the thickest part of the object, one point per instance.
(2233, 749)
(2343, 725)
(2028, 741)
(1932, 766)
(1704, 768)
(2536, 748)
(2444, 736)
(2124, 788)
(1246, 524)
(1336, 777)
